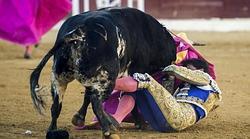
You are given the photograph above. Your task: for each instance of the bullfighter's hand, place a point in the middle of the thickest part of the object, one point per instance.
(142, 79)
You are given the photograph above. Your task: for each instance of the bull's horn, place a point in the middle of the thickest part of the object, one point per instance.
(105, 35)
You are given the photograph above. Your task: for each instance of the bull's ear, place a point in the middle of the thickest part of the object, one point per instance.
(74, 35)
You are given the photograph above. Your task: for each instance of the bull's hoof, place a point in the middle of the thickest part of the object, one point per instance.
(78, 120)
(113, 129)
(112, 136)
(57, 134)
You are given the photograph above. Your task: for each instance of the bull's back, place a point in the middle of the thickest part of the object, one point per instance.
(149, 45)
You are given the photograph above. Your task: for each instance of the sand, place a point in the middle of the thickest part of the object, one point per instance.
(229, 51)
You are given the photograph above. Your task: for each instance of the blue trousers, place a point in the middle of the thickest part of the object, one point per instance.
(150, 110)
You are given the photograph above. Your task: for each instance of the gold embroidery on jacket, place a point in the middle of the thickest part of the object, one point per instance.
(195, 77)
(178, 115)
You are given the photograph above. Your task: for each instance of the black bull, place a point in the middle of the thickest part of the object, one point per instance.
(97, 47)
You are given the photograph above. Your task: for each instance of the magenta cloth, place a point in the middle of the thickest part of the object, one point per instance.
(111, 104)
(25, 21)
(182, 45)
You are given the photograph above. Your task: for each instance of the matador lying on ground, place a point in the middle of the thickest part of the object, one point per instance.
(164, 109)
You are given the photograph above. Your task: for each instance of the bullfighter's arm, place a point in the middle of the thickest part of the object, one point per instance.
(196, 77)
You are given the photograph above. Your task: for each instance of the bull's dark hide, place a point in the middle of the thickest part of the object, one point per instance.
(97, 47)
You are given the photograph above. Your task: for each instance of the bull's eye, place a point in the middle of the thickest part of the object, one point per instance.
(76, 42)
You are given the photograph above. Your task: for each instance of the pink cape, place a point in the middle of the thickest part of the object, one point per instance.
(25, 21)
(183, 45)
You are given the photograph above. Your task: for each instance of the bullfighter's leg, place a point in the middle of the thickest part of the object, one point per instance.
(79, 118)
(58, 88)
(178, 115)
(108, 123)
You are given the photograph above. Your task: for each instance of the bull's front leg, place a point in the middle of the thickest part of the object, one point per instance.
(108, 123)
(79, 118)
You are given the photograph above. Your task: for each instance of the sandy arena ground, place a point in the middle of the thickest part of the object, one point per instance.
(228, 51)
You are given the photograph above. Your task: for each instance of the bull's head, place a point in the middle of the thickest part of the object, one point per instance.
(94, 56)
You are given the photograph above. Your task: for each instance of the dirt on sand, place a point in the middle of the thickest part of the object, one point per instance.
(229, 51)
